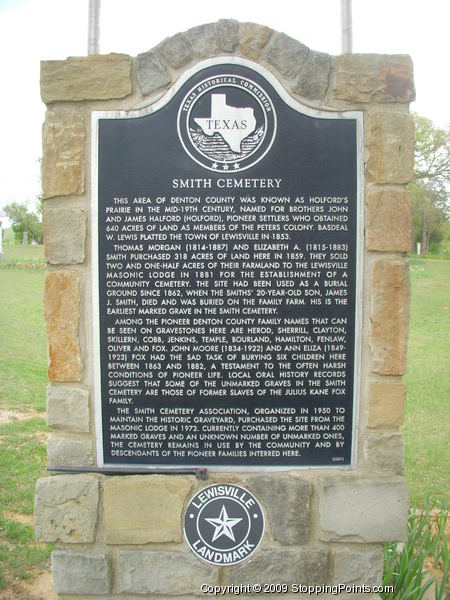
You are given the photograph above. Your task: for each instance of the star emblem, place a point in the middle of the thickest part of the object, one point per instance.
(214, 165)
(225, 167)
(223, 525)
(236, 165)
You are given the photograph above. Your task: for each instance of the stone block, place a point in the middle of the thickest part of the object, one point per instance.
(285, 54)
(64, 235)
(383, 452)
(386, 403)
(390, 143)
(62, 313)
(68, 408)
(291, 524)
(152, 75)
(389, 222)
(389, 313)
(253, 38)
(95, 77)
(354, 565)
(176, 51)
(163, 572)
(144, 508)
(373, 78)
(203, 40)
(314, 77)
(81, 573)
(363, 510)
(306, 566)
(228, 34)
(65, 509)
(69, 451)
(62, 167)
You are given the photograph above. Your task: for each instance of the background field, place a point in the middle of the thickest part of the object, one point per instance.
(427, 412)
(23, 380)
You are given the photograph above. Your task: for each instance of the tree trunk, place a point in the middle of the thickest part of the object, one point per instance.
(425, 235)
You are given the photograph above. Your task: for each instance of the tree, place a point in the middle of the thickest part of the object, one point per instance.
(428, 218)
(23, 220)
(429, 191)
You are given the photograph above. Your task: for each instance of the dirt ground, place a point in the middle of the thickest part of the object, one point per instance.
(38, 588)
(6, 416)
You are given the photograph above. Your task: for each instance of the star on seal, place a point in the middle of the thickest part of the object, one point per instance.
(223, 525)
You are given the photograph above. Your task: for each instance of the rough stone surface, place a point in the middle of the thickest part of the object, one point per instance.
(144, 508)
(389, 316)
(161, 572)
(373, 78)
(228, 34)
(314, 77)
(307, 566)
(69, 451)
(152, 75)
(386, 403)
(352, 565)
(390, 141)
(95, 77)
(285, 54)
(253, 38)
(176, 50)
(383, 452)
(68, 408)
(80, 572)
(64, 235)
(62, 167)
(290, 525)
(364, 510)
(389, 222)
(203, 40)
(61, 311)
(65, 508)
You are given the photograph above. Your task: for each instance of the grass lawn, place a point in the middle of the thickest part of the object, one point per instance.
(23, 254)
(24, 347)
(427, 413)
(23, 379)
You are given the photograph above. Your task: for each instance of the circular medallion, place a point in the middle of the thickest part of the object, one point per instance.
(224, 524)
(227, 123)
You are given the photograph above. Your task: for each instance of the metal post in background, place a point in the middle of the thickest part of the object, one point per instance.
(94, 27)
(346, 27)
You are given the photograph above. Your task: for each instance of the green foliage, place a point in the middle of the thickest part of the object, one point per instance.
(429, 191)
(428, 218)
(24, 350)
(431, 155)
(426, 428)
(23, 380)
(7, 237)
(15, 531)
(22, 461)
(404, 564)
(21, 559)
(20, 255)
(24, 220)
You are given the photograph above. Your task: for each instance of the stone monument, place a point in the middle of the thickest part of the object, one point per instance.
(226, 299)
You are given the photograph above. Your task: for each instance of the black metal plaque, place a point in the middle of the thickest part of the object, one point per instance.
(226, 290)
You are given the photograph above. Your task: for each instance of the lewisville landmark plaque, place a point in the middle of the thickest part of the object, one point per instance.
(226, 283)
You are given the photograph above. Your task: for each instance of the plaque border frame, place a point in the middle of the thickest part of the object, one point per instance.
(150, 106)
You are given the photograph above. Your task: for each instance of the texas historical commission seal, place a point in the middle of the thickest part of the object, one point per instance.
(227, 123)
(224, 524)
